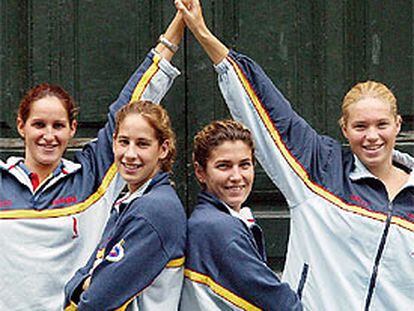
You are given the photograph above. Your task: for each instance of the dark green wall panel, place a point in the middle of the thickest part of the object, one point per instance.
(313, 50)
(13, 61)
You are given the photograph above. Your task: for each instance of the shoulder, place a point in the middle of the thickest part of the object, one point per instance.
(207, 223)
(162, 210)
(162, 199)
(158, 202)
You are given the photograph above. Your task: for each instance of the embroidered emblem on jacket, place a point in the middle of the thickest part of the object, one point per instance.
(6, 203)
(65, 200)
(359, 200)
(116, 253)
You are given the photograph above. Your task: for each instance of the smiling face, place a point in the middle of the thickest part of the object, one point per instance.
(46, 133)
(137, 150)
(371, 129)
(229, 173)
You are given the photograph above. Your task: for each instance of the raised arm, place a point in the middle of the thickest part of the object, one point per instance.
(173, 36)
(151, 81)
(287, 147)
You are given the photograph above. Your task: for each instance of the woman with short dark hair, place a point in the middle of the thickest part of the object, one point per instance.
(352, 230)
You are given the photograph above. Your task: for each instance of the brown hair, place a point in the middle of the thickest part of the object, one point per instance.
(159, 120)
(367, 89)
(44, 90)
(216, 133)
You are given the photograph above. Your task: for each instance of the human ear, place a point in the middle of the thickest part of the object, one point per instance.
(165, 148)
(20, 127)
(73, 127)
(113, 143)
(344, 131)
(399, 121)
(200, 173)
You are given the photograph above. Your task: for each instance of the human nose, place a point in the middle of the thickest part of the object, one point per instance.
(372, 134)
(235, 174)
(130, 152)
(48, 133)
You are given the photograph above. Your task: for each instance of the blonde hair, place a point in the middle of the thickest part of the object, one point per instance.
(367, 89)
(159, 120)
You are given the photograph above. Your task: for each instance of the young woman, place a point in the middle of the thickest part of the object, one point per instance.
(138, 264)
(225, 255)
(53, 210)
(352, 226)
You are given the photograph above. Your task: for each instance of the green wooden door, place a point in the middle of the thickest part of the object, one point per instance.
(313, 50)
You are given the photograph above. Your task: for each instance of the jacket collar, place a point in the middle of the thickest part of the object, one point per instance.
(360, 171)
(206, 197)
(68, 166)
(245, 214)
(161, 178)
(252, 227)
(22, 175)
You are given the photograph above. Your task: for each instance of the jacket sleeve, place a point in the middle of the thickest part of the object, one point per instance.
(150, 81)
(248, 277)
(135, 259)
(73, 288)
(287, 147)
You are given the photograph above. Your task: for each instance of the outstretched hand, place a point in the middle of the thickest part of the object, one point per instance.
(192, 14)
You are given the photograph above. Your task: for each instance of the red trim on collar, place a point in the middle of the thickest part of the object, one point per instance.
(34, 178)
(12, 167)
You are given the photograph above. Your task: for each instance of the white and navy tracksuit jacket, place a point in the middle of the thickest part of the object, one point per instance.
(225, 265)
(139, 262)
(357, 246)
(47, 233)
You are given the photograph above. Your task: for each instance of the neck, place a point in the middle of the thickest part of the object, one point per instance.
(394, 179)
(383, 172)
(236, 208)
(42, 171)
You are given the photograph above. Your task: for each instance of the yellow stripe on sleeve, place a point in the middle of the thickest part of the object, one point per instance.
(297, 167)
(220, 290)
(125, 305)
(72, 307)
(146, 78)
(175, 263)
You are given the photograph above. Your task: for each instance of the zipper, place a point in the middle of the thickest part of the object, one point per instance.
(380, 251)
(302, 280)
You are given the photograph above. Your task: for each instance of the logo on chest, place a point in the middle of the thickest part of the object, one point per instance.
(5, 203)
(65, 200)
(360, 201)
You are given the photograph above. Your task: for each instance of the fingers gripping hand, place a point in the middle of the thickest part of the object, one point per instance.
(192, 14)
(186, 3)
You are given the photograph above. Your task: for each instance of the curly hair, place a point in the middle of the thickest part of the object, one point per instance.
(216, 133)
(159, 120)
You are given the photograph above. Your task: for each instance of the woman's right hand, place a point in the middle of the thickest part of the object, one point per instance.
(193, 17)
(192, 14)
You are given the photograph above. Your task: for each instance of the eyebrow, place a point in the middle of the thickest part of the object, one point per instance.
(230, 161)
(139, 138)
(43, 119)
